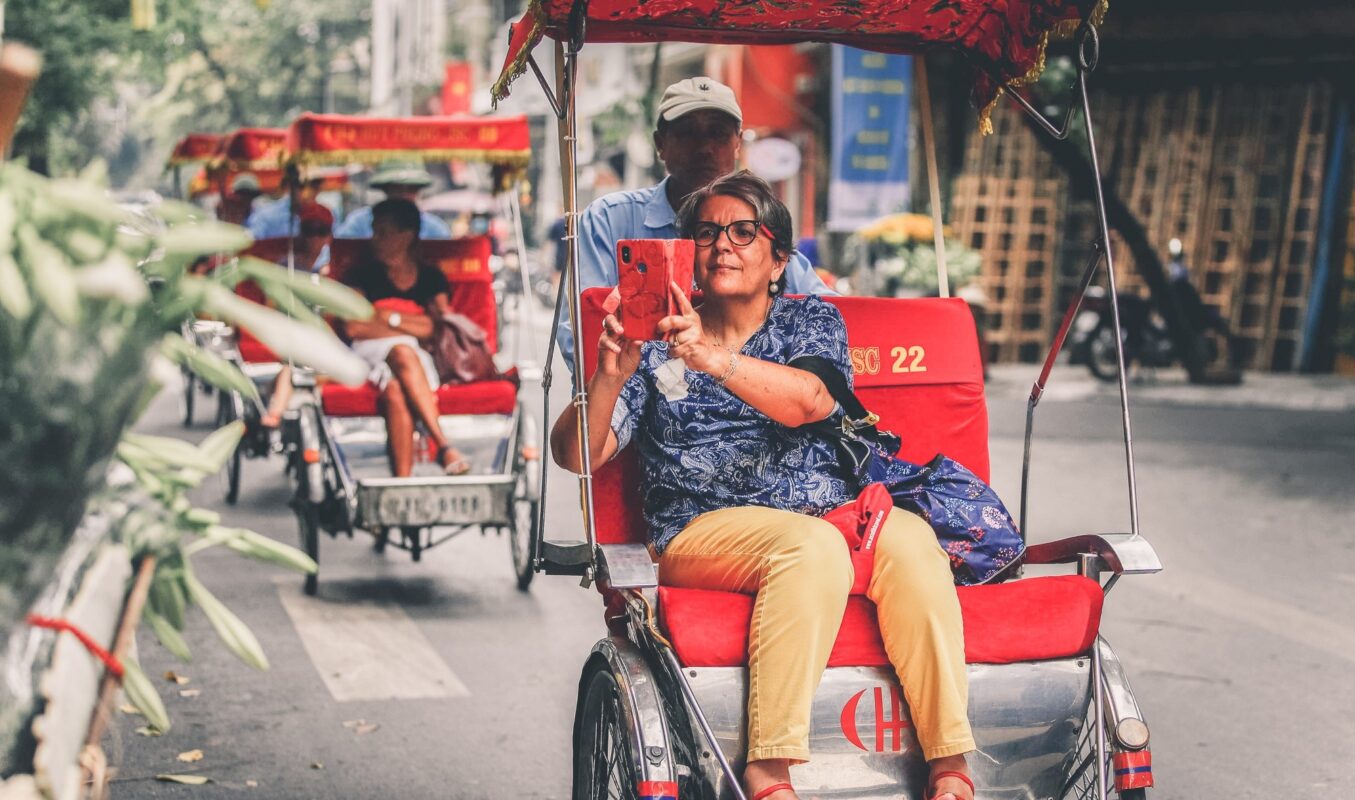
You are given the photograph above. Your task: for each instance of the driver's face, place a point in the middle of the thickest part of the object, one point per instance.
(699, 147)
(390, 241)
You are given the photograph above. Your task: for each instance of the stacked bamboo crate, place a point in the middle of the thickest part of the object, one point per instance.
(1234, 171)
(1006, 208)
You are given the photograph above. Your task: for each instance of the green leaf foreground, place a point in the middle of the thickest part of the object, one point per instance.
(286, 337)
(168, 635)
(141, 693)
(330, 295)
(232, 632)
(70, 256)
(256, 546)
(210, 367)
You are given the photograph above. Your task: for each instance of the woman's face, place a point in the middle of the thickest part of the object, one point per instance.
(390, 242)
(728, 270)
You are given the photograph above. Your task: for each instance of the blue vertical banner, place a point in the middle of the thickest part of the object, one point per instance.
(871, 100)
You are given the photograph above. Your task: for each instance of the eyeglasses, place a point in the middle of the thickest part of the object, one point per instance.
(741, 232)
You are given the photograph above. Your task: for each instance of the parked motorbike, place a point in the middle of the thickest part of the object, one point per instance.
(1147, 341)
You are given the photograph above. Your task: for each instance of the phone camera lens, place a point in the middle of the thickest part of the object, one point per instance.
(642, 267)
(625, 254)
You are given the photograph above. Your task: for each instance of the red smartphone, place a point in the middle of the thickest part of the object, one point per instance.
(645, 267)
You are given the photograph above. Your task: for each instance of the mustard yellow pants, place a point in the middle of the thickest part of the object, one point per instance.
(800, 569)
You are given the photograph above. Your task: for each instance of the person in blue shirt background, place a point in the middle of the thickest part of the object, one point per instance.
(399, 180)
(697, 134)
(270, 221)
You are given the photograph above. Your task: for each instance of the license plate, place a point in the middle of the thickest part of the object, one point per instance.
(432, 505)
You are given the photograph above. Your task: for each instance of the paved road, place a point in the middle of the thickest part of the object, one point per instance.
(440, 680)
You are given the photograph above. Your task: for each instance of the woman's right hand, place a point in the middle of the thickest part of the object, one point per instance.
(618, 357)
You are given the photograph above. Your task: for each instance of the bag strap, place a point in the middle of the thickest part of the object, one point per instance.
(823, 369)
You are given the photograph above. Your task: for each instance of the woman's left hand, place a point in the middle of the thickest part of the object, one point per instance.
(687, 338)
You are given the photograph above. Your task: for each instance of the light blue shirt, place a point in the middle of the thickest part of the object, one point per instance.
(270, 222)
(645, 214)
(358, 225)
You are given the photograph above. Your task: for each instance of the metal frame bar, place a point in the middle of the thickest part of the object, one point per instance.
(1037, 390)
(562, 102)
(1088, 53)
(689, 696)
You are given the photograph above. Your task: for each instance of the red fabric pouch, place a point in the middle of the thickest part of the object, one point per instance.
(861, 522)
(400, 306)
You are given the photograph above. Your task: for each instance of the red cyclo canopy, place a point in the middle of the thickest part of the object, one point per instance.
(334, 139)
(252, 149)
(195, 148)
(1006, 38)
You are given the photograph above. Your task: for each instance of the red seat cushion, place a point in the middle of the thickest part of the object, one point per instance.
(1035, 619)
(253, 351)
(481, 397)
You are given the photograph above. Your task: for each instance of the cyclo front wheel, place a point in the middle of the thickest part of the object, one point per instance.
(523, 533)
(228, 411)
(310, 489)
(603, 767)
(189, 379)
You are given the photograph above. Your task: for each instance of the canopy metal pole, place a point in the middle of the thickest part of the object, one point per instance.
(924, 103)
(1088, 53)
(566, 71)
(528, 300)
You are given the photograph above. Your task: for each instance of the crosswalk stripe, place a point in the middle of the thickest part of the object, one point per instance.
(368, 650)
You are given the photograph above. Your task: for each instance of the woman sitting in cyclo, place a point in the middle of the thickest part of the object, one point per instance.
(405, 293)
(735, 487)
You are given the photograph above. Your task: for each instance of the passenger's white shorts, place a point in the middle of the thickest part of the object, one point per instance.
(375, 351)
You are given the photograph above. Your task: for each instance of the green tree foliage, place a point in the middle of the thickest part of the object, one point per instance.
(80, 43)
(210, 65)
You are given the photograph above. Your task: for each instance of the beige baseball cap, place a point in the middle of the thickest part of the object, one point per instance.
(694, 94)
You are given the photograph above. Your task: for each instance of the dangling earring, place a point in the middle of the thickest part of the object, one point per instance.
(776, 287)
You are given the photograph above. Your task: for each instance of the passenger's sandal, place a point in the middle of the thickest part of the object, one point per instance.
(935, 779)
(457, 466)
(771, 790)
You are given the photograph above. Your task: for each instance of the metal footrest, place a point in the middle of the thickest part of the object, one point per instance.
(424, 502)
(565, 558)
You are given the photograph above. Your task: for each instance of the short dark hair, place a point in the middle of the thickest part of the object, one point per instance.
(743, 185)
(403, 214)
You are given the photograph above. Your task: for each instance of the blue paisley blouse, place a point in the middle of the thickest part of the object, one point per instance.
(712, 450)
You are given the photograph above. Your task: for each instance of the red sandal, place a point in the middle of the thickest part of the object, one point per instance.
(771, 790)
(931, 791)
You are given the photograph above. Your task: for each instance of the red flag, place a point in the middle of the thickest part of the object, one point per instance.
(456, 88)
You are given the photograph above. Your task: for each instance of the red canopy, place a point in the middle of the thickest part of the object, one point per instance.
(195, 148)
(334, 139)
(1004, 37)
(253, 149)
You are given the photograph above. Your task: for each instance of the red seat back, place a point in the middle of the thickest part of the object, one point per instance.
(915, 363)
(465, 262)
(273, 249)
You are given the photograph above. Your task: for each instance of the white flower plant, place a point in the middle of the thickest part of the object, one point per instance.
(91, 304)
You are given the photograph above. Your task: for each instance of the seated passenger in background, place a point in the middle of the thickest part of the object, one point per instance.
(398, 180)
(406, 294)
(312, 255)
